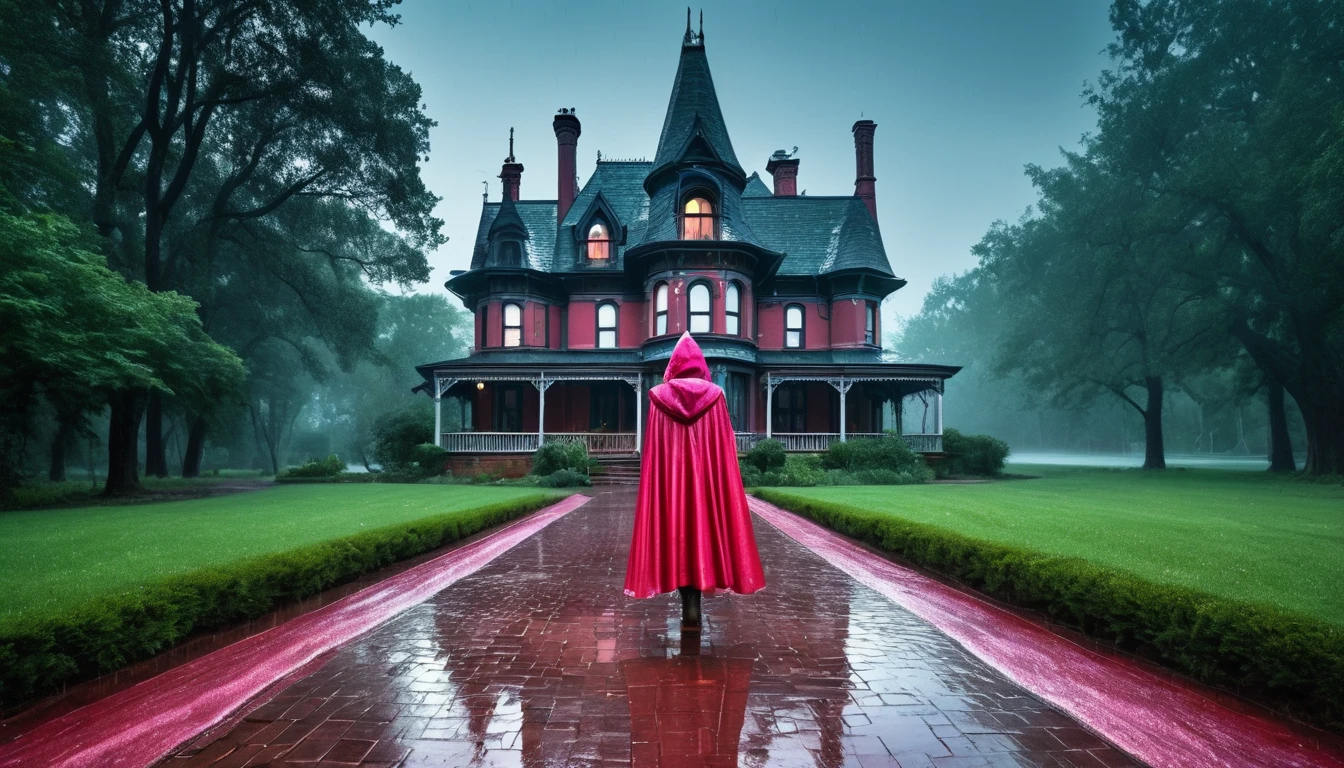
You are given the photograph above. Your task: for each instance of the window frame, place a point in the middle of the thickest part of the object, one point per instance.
(661, 291)
(708, 313)
(802, 326)
(870, 322)
(614, 330)
(732, 315)
(590, 240)
(712, 201)
(505, 327)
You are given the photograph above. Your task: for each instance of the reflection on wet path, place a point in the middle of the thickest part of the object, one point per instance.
(539, 659)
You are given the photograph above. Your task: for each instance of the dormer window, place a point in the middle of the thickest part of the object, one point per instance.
(700, 306)
(513, 325)
(599, 242)
(697, 220)
(510, 254)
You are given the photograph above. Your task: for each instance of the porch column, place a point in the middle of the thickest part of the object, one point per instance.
(438, 419)
(938, 413)
(769, 405)
(542, 384)
(639, 415)
(842, 386)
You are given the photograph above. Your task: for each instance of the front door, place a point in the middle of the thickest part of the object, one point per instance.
(508, 410)
(790, 409)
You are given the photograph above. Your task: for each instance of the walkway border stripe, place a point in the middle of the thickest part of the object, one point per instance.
(142, 724)
(1157, 720)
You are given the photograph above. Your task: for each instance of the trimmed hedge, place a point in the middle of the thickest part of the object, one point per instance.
(42, 654)
(1290, 662)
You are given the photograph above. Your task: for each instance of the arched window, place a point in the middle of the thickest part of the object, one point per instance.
(732, 309)
(793, 326)
(699, 305)
(870, 323)
(513, 325)
(599, 242)
(697, 219)
(606, 325)
(660, 309)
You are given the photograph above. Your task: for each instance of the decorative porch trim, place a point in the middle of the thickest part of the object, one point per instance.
(842, 384)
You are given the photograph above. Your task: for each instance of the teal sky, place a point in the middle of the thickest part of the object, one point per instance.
(964, 92)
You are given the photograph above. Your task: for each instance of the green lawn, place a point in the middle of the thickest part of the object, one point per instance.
(51, 560)
(1241, 535)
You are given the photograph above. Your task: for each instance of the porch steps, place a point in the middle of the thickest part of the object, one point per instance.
(616, 469)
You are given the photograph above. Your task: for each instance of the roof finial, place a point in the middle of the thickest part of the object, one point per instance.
(485, 194)
(599, 155)
(687, 39)
(510, 159)
(702, 26)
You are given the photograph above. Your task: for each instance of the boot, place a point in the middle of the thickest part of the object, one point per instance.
(690, 609)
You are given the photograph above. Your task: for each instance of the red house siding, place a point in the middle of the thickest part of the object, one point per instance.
(631, 331)
(582, 324)
(848, 318)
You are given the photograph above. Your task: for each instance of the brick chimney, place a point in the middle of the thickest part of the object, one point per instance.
(567, 130)
(512, 173)
(783, 166)
(865, 183)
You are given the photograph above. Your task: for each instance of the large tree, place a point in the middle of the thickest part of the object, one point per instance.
(1234, 113)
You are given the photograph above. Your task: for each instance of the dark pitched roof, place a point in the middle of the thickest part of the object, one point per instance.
(756, 187)
(694, 106)
(820, 235)
(537, 217)
(621, 184)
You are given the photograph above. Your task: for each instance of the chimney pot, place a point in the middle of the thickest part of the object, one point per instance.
(865, 183)
(567, 129)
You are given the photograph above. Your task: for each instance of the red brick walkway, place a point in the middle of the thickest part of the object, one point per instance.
(538, 659)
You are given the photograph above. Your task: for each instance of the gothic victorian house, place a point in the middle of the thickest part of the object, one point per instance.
(578, 301)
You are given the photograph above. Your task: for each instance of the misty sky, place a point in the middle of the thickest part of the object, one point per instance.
(964, 92)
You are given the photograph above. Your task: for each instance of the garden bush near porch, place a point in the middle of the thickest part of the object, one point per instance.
(86, 591)
(1231, 578)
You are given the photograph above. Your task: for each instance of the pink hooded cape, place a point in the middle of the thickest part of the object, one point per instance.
(692, 527)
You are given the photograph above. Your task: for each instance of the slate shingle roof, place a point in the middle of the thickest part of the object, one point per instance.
(621, 184)
(693, 96)
(538, 216)
(820, 235)
(756, 187)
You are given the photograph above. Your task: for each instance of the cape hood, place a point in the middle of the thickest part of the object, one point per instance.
(686, 392)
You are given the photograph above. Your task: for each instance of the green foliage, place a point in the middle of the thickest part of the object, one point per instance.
(803, 470)
(913, 476)
(557, 455)
(332, 466)
(397, 436)
(564, 478)
(430, 460)
(41, 652)
(766, 456)
(1282, 659)
(972, 455)
(890, 453)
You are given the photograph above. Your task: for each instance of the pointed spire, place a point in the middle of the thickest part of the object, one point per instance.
(694, 108)
(510, 158)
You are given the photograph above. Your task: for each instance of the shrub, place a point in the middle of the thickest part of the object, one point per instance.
(332, 466)
(889, 453)
(972, 454)
(1292, 662)
(751, 476)
(398, 434)
(877, 477)
(564, 478)
(429, 460)
(554, 456)
(766, 456)
(40, 654)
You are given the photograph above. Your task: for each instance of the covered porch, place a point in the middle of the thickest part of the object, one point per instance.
(506, 412)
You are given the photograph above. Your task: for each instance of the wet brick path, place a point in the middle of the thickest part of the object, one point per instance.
(539, 659)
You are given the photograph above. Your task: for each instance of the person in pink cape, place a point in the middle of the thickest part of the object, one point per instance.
(692, 527)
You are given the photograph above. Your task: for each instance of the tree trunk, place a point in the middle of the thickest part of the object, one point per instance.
(1280, 444)
(1324, 418)
(123, 442)
(64, 433)
(191, 462)
(156, 455)
(1154, 454)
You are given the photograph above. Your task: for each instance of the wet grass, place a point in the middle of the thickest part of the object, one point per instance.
(57, 559)
(1246, 536)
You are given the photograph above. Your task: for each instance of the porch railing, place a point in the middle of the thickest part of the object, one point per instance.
(816, 442)
(598, 442)
(526, 442)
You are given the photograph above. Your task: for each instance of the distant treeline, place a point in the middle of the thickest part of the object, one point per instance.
(1186, 266)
